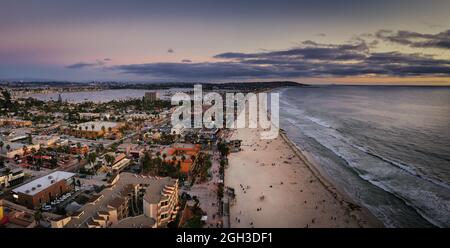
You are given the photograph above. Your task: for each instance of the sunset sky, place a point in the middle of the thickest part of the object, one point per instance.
(348, 42)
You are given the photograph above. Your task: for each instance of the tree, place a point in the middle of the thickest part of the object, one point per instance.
(92, 157)
(223, 149)
(6, 102)
(147, 163)
(30, 139)
(37, 216)
(24, 149)
(8, 147)
(109, 159)
(1, 145)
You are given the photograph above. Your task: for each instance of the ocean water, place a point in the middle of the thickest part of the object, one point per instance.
(387, 147)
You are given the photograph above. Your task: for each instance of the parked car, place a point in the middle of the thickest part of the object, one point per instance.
(47, 208)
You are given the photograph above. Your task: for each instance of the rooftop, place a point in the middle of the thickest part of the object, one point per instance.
(113, 195)
(98, 125)
(42, 183)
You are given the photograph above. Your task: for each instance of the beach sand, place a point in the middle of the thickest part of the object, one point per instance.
(295, 195)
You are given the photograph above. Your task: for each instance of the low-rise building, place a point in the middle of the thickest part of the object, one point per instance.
(182, 153)
(10, 178)
(96, 129)
(44, 189)
(46, 140)
(15, 122)
(17, 149)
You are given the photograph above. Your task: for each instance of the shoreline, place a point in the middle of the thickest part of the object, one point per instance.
(271, 192)
(342, 197)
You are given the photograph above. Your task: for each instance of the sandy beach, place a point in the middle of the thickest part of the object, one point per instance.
(275, 187)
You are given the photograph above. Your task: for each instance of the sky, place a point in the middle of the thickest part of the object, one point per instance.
(342, 42)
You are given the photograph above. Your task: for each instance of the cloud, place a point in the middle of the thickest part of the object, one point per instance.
(309, 50)
(186, 61)
(82, 65)
(418, 40)
(170, 50)
(309, 59)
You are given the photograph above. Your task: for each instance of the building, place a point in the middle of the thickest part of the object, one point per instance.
(120, 162)
(131, 150)
(15, 123)
(150, 96)
(44, 189)
(234, 145)
(89, 116)
(15, 216)
(17, 149)
(182, 154)
(130, 201)
(96, 129)
(10, 178)
(46, 140)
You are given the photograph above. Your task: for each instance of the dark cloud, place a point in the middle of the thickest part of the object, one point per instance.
(309, 59)
(170, 50)
(81, 65)
(186, 61)
(414, 39)
(309, 50)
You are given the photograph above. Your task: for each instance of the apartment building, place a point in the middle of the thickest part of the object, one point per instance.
(130, 201)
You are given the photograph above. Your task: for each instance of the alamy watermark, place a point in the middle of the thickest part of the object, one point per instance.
(248, 110)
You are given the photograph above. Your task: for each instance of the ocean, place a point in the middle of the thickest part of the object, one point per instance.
(386, 147)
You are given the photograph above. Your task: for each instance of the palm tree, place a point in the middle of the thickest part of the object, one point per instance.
(37, 216)
(86, 127)
(103, 129)
(92, 127)
(109, 159)
(24, 149)
(92, 157)
(174, 158)
(1, 145)
(8, 147)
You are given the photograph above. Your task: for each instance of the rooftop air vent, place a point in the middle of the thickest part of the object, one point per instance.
(39, 185)
(33, 188)
(50, 177)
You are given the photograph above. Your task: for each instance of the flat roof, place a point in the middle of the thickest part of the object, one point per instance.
(42, 183)
(98, 125)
